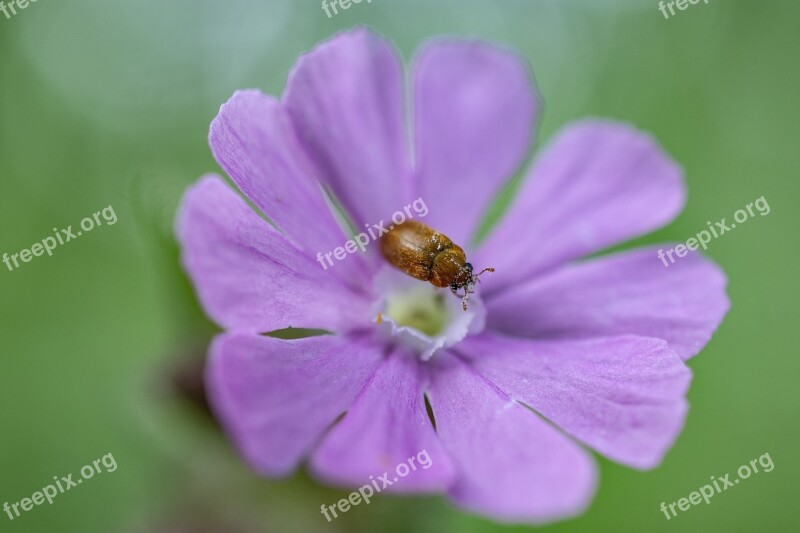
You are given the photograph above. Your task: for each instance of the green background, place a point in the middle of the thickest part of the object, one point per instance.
(109, 103)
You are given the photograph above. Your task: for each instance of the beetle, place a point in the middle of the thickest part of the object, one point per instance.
(427, 255)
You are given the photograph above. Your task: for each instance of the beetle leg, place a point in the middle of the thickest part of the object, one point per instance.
(464, 297)
(467, 292)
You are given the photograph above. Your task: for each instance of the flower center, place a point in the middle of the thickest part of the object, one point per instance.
(417, 314)
(421, 309)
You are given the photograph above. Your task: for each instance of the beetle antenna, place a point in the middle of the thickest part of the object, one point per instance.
(488, 269)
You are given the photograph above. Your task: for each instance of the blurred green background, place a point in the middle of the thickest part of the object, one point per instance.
(109, 103)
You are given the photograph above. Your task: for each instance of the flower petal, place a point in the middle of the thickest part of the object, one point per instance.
(628, 292)
(512, 465)
(597, 184)
(249, 277)
(346, 100)
(276, 397)
(386, 427)
(623, 396)
(252, 138)
(475, 108)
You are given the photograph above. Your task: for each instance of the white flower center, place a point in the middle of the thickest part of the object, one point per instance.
(422, 316)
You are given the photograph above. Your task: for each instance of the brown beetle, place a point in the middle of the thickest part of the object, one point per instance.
(425, 254)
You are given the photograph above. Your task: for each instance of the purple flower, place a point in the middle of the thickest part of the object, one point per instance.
(554, 354)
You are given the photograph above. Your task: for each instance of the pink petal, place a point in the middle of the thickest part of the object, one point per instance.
(598, 183)
(628, 292)
(386, 426)
(512, 465)
(346, 100)
(475, 109)
(276, 397)
(623, 396)
(249, 277)
(253, 139)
